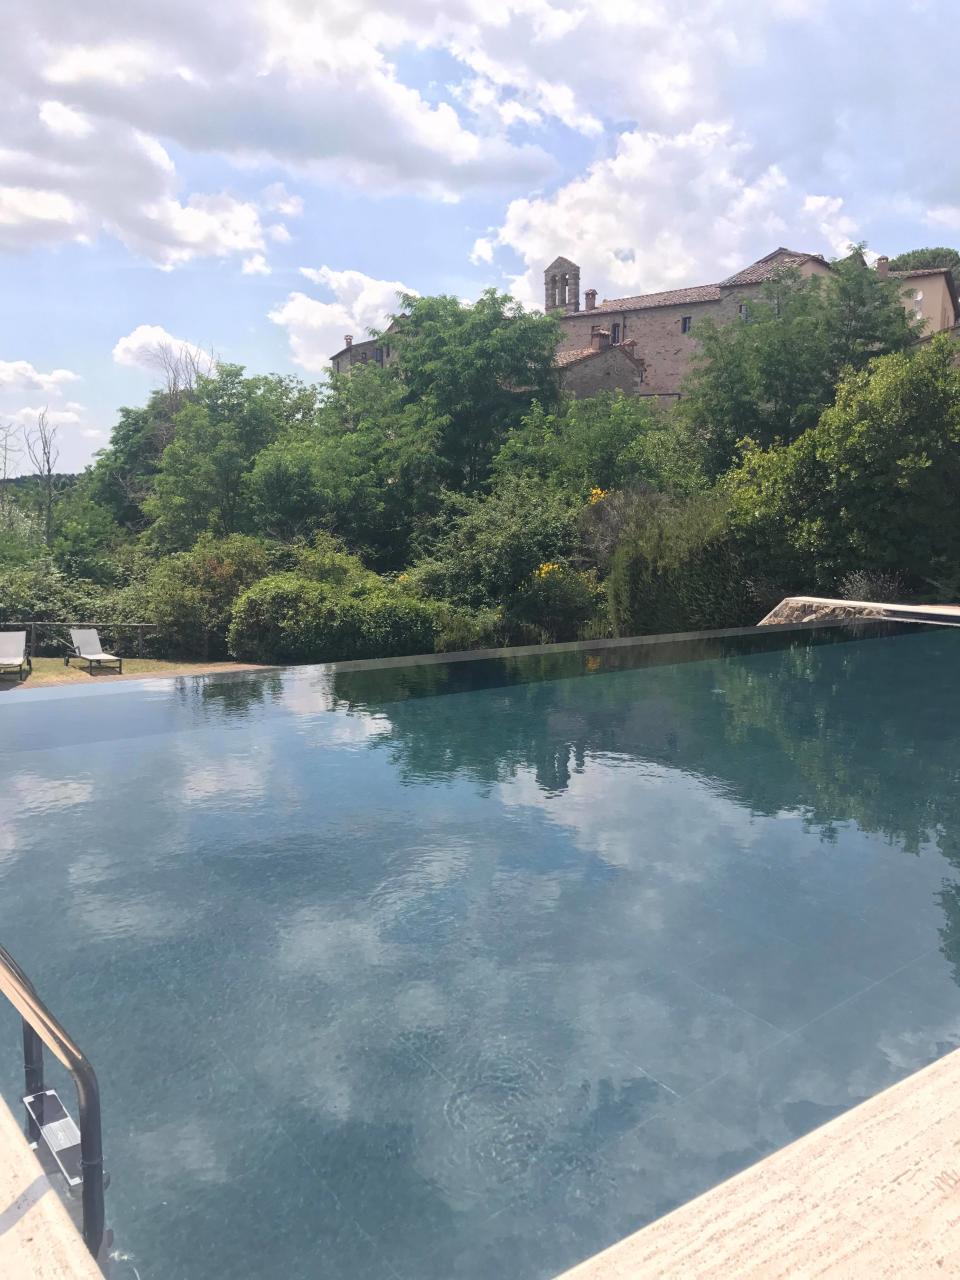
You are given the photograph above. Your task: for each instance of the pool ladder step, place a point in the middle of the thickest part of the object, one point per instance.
(76, 1148)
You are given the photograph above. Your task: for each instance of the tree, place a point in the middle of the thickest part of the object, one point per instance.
(938, 257)
(873, 486)
(609, 441)
(367, 470)
(182, 368)
(479, 368)
(200, 485)
(43, 452)
(771, 378)
(10, 451)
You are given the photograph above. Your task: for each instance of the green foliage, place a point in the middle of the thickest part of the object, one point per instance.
(478, 369)
(86, 538)
(873, 486)
(289, 618)
(21, 535)
(935, 257)
(489, 547)
(40, 592)
(555, 601)
(368, 470)
(770, 379)
(609, 441)
(678, 570)
(200, 485)
(190, 594)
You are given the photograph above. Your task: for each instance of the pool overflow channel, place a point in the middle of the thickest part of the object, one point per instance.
(76, 1151)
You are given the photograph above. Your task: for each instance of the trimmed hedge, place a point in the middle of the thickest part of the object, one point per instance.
(289, 618)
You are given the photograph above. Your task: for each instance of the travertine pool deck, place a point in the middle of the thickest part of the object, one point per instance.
(38, 1241)
(875, 1193)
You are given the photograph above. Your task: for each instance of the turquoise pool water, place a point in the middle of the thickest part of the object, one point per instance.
(467, 970)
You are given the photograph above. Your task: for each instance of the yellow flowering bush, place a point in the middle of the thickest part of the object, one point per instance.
(545, 570)
(597, 495)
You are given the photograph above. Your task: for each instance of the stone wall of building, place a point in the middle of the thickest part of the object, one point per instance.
(657, 331)
(609, 370)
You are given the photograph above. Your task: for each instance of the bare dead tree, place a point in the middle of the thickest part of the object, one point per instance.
(10, 450)
(182, 368)
(43, 452)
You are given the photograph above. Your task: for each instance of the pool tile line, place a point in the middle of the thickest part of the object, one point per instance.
(798, 1032)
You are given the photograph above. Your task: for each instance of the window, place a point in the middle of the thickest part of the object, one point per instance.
(386, 351)
(379, 355)
(744, 311)
(363, 357)
(614, 334)
(686, 324)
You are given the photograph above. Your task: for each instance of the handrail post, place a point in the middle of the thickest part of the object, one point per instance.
(32, 1072)
(91, 1155)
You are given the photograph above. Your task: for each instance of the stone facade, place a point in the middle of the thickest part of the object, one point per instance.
(663, 326)
(368, 351)
(601, 367)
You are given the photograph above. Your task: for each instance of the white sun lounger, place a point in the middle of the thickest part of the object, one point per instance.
(13, 653)
(87, 647)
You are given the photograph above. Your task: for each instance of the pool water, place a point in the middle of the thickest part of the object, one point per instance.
(449, 971)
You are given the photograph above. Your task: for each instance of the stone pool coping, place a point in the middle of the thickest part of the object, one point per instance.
(825, 610)
(38, 1240)
(875, 1192)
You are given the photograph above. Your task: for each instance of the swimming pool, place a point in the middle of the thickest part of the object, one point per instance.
(468, 969)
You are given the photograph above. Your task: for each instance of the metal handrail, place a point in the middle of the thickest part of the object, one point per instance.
(39, 1024)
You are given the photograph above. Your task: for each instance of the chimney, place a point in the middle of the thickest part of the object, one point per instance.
(590, 299)
(348, 340)
(883, 267)
(599, 338)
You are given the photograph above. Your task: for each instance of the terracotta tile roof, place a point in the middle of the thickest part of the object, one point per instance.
(919, 271)
(668, 298)
(571, 357)
(766, 268)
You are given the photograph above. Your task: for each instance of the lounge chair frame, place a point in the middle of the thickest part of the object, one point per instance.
(23, 665)
(89, 656)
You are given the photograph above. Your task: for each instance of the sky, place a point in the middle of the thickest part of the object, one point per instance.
(261, 178)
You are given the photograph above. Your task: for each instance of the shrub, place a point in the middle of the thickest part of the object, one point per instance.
(490, 546)
(190, 594)
(289, 618)
(679, 570)
(556, 601)
(874, 585)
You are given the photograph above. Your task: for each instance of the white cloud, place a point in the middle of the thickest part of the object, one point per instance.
(256, 265)
(278, 199)
(20, 375)
(28, 415)
(140, 348)
(279, 233)
(316, 329)
(666, 210)
(64, 120)
(482, 251)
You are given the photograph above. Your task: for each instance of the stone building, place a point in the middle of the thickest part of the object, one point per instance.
(659, 329)
(367, 351)
(601, 366)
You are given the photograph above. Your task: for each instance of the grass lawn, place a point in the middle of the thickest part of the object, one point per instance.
(49, 671)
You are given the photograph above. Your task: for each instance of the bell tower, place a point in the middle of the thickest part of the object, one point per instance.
(561, 286)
